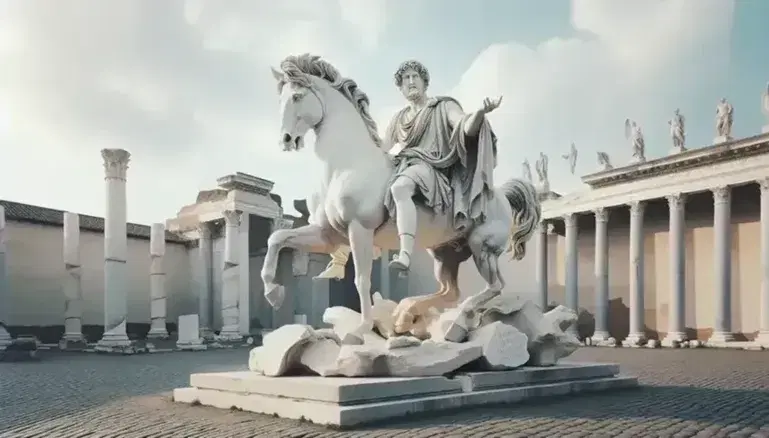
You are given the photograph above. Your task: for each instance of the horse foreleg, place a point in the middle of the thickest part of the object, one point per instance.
(306, 236)
(362, 248)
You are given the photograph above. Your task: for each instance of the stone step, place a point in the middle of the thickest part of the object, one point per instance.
(346, 402)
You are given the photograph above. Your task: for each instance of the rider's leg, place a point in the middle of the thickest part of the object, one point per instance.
(403, 190)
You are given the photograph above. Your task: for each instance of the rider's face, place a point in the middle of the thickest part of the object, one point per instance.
(412, 86)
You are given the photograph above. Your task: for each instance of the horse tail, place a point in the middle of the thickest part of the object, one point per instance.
(524, 202)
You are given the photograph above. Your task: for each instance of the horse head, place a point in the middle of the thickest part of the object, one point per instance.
(301, 110)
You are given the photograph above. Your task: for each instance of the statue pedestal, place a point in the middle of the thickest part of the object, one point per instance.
(722, 139)
(637, 160)
(349, 402)
(676, 150)
(765, 129)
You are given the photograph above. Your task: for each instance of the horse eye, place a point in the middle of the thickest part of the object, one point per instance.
(297, 97)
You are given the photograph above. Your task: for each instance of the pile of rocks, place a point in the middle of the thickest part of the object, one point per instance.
(488, 331)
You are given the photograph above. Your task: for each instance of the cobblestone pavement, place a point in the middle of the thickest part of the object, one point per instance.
(686, 393)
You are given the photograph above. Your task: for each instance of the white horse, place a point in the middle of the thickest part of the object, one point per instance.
(349, 208)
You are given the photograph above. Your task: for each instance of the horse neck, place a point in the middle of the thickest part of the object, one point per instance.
(342, 140)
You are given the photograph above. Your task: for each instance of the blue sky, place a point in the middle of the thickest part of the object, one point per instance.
(185, 85)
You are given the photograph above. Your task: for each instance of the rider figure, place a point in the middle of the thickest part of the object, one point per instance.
(443, 157)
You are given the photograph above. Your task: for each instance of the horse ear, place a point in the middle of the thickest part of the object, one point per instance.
(276, 74)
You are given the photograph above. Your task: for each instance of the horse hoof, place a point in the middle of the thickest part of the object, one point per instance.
(275, 294)
(397, 265)
(333, 273)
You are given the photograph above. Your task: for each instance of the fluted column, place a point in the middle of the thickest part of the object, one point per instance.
(231, 278)
(204, 279)
(677, 251)
(541, 267)
(763, 334)
(572, 266)
(5, 298)
(73, 294)
(115, 338)
(601, 276)
(637, 335)
(722, 265)
(157, 283)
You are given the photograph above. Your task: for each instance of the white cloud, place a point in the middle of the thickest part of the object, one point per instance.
(183, 85)
(626, 61)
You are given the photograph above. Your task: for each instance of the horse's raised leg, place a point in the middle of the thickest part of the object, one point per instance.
(486, 255)
(306, 236)
(362, 248)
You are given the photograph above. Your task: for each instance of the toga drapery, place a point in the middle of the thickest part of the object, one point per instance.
(460, 176)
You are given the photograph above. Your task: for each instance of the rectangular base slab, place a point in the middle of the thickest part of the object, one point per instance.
(349, 402)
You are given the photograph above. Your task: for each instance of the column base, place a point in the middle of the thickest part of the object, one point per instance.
(674, 339)
(115, 344)
(73, 341)
(762, 339)
(634, 340)
(720, 338)
(161, 334)
(602, 339)
(230, 333)
(195, 345)
(206, 334)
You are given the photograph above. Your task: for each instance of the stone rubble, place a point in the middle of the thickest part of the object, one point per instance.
(486, 332)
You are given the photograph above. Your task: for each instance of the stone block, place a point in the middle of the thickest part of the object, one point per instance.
(349, 402)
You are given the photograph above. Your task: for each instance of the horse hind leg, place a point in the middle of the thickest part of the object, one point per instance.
(486, 258)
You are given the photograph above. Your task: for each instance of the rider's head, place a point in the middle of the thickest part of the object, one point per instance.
(412, 78)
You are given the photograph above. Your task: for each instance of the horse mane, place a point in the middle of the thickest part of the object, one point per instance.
(296, 69)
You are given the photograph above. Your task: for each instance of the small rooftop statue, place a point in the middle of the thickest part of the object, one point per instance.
(527, 171)
(765, 107)
(541, 166)
(604, 162)
(724, 120)
(571, 157)
(636, 137)
(678, 131)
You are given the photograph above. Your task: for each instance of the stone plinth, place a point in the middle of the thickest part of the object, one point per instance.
(349, 402)
(722, 139)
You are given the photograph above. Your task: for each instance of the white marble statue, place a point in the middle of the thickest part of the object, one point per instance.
(541, 167)
(636, 137)
(724, 119)
(435, 150)
(571, 158)
(678, 130)
(765, 106)
(527, 171)
(604, 161)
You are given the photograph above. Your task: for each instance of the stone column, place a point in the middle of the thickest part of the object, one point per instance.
(637, 335)
(5, 292)
(722, 265)
(157, 283)
(73, 293)
(601, 333)
(677, 251)
(244, 258)
(204, 285)
(541, 267)
(763, 334)
(115, 338)
(572, 267)
(231, 278)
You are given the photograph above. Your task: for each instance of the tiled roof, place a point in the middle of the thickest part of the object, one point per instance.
(15, 211)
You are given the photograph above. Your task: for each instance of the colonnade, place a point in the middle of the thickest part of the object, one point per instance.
(722, 273)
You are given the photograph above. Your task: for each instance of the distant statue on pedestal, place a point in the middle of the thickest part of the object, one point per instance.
(765, 107)
(636, 137)
(527, 171)
(604, 162)
(571, 157)
(724, 120)
(678, 131)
